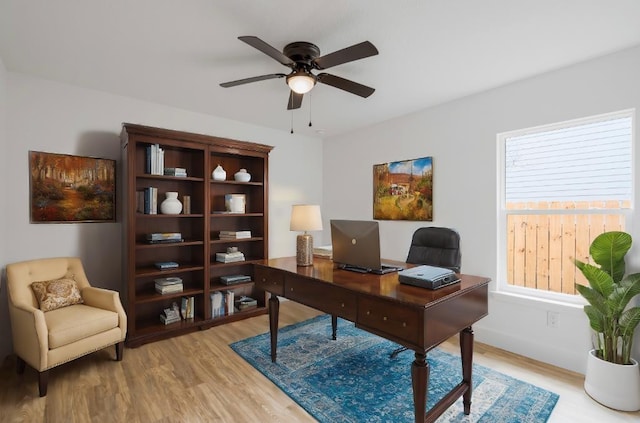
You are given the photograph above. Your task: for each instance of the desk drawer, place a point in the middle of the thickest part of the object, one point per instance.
(270, 280)
(322, 296)
(395, 320)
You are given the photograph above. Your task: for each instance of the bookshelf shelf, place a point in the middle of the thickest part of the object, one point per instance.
(196, 255)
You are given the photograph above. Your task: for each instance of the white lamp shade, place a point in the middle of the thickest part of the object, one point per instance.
(301, 82)
(306, 217)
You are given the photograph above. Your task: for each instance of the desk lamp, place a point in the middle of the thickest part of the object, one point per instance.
(305, 217)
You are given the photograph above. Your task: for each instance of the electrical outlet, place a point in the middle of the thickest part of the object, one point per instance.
(553, 319)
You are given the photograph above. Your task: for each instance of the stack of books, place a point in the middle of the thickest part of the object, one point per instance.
(166, 265)
(233, 279)
(245, 303)
(235, 234)
(188, 307)
(164, 237)
(169, 285)
(170, 315)
(155, 160)
(324, 251)
(175, 171)
(230, 257)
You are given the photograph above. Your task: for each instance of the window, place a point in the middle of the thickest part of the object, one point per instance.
(561, 186)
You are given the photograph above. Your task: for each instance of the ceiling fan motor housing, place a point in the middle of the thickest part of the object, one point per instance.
(302, 52)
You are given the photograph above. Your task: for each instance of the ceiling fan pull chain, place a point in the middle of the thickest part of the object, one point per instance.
(292, 121)
(310, 110)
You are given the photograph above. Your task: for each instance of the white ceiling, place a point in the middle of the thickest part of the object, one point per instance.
(177, 52)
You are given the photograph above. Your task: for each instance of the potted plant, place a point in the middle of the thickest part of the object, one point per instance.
(613, 376)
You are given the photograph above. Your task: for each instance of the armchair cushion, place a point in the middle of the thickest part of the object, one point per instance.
(57, 293)
(70, 324)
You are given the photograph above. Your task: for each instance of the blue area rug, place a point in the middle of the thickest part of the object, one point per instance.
(353, 379)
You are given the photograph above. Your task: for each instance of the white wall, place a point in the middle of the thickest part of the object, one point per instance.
(461, 138)
(58, 118)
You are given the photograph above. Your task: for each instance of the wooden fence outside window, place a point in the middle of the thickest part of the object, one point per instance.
(541, 247)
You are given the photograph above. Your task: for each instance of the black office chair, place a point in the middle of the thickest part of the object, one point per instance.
(434, 246)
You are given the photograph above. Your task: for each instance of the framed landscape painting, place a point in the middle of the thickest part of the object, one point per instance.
(66, 188)
(403, 190)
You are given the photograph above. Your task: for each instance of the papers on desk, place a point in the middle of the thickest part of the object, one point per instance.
(324, 251)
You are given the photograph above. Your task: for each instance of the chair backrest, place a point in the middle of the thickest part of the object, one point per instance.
(21, 275)
(436, 246)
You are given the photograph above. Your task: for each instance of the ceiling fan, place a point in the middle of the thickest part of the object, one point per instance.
(303, 57)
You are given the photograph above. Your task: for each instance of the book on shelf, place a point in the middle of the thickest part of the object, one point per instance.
(154, 160)
(170, 315)
(165, 241)
(168, 281)
(217, 304)
(229, 297)
(175, 171)
(229, 257)
(164, 265)
(162, 236)
(170, 289)
(232, 279)
(186, 204)
(187, 307)
(245, 303)
(235, 234)
(151, 200)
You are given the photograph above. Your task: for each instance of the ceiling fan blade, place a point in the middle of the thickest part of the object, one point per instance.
(270, 51)
(345, 84)
(348, 54)
(252, 79)
(295, 100)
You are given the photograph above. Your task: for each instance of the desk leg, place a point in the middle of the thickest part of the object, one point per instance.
(274, 310)
(420, 382)
(466, 352)
(334, 327)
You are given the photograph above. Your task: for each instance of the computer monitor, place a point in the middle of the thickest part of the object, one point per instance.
(356, 246)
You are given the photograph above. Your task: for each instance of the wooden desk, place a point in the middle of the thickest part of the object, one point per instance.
(417, 318)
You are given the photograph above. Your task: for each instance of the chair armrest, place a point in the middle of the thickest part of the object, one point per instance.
(108, 300)
(30, 335)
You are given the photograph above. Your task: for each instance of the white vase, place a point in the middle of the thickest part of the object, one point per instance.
(242, 176)
(219, 174)
(616, 386)
(171, 205)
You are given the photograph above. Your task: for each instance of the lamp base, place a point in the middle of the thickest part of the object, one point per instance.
(304, 250)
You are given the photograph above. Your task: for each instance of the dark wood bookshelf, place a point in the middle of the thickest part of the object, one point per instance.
(199, 155)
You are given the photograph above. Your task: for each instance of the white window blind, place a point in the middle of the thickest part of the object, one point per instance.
(581, 162)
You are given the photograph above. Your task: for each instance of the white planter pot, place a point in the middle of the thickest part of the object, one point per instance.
(616, 386)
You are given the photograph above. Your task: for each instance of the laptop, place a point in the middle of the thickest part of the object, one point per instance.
(356, 247)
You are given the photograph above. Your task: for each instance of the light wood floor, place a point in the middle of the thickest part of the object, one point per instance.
(198, 378)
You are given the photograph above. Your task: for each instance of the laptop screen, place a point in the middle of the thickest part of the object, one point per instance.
(356, 243)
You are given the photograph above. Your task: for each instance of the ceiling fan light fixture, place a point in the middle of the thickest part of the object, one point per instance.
(301, 82)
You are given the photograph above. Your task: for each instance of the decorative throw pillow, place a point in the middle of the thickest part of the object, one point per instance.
(57, 293)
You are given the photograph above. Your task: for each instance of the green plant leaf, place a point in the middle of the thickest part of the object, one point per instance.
(598, 279)
(594, 298)
(624, 292)
(596, 319)
(608, 250)
(629, 320)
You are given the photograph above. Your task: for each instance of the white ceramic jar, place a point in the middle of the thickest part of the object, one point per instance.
(171, 205)
(242, 176)
(219, 174)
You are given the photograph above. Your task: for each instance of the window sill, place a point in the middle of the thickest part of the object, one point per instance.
(535, 302)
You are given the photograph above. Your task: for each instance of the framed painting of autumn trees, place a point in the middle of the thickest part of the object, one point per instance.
(66, 188)
(403, 190)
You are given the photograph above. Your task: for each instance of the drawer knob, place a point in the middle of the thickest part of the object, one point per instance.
(404, 324)
(291, 289)
(368, 312)
(384, 318)
(264, 279)
(342, 305)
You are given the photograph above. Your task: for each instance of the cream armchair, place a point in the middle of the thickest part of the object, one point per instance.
(47, 339)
